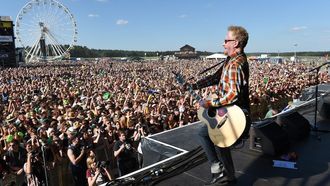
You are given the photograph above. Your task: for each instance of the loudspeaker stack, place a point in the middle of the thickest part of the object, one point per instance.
(275, 137)
(324, 107)
(267, 136)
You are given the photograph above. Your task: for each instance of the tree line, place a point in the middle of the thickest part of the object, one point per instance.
(85, 52)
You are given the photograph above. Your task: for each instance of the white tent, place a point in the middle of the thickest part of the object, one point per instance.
(216, 56)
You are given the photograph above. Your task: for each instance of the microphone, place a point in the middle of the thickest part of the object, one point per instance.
(318, 68)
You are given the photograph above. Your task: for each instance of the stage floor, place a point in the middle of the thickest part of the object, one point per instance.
(255, 168)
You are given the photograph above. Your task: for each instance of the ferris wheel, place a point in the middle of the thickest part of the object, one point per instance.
(46, 29)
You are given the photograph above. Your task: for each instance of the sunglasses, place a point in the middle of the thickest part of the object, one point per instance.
(227, 40)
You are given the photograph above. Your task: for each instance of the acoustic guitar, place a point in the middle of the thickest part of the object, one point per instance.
(225, 124)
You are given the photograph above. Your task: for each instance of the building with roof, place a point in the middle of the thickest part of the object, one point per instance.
(187, 52)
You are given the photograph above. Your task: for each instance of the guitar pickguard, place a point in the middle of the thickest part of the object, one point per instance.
(213, 117)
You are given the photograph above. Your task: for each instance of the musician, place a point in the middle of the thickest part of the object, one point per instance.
(232, 81)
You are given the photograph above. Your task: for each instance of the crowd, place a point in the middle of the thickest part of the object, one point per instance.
(86, 119)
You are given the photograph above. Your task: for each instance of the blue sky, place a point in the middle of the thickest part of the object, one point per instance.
(151, 25)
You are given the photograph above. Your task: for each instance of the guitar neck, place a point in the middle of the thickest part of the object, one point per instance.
(182, 81)
(193, 93)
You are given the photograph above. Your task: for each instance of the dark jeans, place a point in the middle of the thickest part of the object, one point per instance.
(211, 152)
(79, 176)
(127, 166)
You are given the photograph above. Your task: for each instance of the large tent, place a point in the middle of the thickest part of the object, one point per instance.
(216, 56)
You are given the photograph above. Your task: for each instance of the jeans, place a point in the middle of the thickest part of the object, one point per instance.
(211, 153)
(207, 145)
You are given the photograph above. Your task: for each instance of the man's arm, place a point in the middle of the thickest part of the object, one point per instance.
(73, 159)
(117, 152)
(208, 80)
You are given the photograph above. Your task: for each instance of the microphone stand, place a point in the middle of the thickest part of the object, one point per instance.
(44, 161)
(317, 69)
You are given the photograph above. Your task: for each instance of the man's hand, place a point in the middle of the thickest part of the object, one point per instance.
(122, 147)
(82, 150)
(204, 103)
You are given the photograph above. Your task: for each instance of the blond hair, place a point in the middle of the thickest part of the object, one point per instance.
(90, 160)
(240, 34)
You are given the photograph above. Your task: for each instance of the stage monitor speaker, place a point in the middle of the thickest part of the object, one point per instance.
(270, 136)
(324, 107)
(296, 126)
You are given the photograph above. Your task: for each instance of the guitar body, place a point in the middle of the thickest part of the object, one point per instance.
(225, 125)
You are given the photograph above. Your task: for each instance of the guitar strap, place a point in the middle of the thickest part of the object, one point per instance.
(208, 69)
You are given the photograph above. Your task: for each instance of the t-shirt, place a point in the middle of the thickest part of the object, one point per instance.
(100, 178)
(16, 159)
(123, 155)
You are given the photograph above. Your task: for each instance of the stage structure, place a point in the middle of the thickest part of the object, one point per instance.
(7, 42)
(46, 29)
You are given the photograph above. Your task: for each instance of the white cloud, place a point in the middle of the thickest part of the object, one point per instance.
(183, 16)
(298, 28)
(93, 15)
(121, 22)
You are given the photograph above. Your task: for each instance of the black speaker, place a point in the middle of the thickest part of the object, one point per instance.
(295, 125)
(270, 136)
(324, 107)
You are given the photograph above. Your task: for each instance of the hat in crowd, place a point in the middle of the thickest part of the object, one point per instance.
(70, 115)
(72, 130)
(65, 102)
(28, 115)
(20, 134)
(106, 95)
(49, 131)
(9, 138)
(76, 125)
(69, 123)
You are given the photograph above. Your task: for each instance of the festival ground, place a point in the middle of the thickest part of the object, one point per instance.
(252, 167)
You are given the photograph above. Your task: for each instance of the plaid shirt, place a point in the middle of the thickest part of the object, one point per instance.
(231, 81)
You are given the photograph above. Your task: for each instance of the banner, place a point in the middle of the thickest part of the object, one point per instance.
(5, 39)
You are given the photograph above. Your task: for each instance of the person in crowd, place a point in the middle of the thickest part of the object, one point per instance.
(33, 167)
(271, 112)
(77, 156)
(15, 158)
(97, 172)
(124, 153)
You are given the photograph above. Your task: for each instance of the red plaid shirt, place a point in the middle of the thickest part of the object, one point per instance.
(230, 83)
